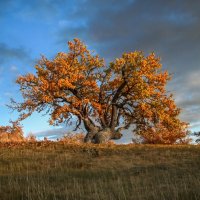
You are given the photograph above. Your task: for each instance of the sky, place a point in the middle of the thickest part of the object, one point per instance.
(31, 28)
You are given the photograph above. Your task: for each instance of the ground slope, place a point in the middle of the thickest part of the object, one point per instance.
(61, 171)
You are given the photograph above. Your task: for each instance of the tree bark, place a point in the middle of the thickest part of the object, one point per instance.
(91, 130)
(97, 135)
(113, 118)
(106, 135)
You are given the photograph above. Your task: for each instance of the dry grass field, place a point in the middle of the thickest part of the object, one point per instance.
(57, 170)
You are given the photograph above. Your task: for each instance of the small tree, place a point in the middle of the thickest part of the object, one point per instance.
(31, 137)
(106, 99)
(11, 133)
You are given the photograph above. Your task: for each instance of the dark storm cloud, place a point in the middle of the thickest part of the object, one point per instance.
(8, 53)
(169, 28)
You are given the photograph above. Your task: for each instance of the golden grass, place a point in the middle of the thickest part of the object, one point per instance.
(59, 170)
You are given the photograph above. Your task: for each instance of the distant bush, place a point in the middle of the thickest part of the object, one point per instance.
(72, 138)
(31, 137)
(162, 135)
(12, 133)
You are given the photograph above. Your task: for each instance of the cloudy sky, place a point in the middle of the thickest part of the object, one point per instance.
(110, 27)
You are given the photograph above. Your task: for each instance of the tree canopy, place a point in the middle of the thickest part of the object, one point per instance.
(78, 85)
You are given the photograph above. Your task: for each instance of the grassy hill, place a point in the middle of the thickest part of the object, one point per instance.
(56, 170)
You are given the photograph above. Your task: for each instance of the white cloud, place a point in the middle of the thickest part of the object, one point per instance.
(13, 68)
(8, 94)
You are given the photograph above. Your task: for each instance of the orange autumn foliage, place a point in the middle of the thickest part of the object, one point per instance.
(13, 133)
(130, 90)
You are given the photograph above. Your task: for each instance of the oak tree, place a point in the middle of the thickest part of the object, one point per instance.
(106, 99)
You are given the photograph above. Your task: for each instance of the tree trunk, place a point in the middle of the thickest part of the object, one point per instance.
(97, 135)
(91, 130)
(106, 135)
(101, 136)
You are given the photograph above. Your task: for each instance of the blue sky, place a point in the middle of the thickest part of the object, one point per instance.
(169, 28)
